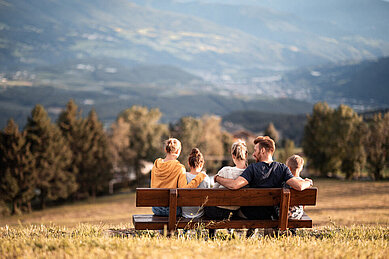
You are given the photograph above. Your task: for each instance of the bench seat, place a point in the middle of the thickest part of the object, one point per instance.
(153, 222)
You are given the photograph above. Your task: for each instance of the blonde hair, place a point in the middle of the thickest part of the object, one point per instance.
(294, 162)
(172, 145)
(195, 158)
(265, 142)
(239, 150)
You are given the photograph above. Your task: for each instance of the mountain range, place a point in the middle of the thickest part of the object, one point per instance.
(205, 37)
(192, 57)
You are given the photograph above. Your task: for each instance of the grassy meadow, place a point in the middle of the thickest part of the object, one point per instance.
(351, 220)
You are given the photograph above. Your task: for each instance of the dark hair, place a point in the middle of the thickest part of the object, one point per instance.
(195, 158)
(266, 142)
(172, 145)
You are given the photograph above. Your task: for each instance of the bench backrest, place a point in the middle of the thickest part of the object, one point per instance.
(173, 198)
(150, 197)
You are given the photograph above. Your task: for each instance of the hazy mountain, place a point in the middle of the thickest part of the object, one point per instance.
(202, 37)
(190, 57)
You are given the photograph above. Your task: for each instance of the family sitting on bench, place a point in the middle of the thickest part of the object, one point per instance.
(265, 173)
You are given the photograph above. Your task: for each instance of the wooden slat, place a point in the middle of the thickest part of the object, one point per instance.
(172, 209)
(284, 208)
(151, 222)
(225, 197)
(304, 222)
(147, 197)
(306, 197)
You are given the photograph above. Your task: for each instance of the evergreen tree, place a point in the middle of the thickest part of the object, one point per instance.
(69, 122)
(52, 157)
(146, 135)
(17, 178)
(95, 170)
(376, 145)
(272, 132)
(318, 140)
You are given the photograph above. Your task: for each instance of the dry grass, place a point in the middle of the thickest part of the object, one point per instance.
(351, 221)
(346, 203)
(341, 202)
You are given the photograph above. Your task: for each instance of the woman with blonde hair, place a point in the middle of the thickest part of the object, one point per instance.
(168, 172)
(239, 155)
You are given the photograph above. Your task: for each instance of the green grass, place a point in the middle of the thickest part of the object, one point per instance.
(351, 220)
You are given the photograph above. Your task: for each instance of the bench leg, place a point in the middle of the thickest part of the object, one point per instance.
(250, 232)
(211, 233)
(270, 232)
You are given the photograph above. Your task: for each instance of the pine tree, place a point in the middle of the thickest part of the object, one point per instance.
(17, 178)
(95, 170)
(52, 157)
(272, 132)
(69, 122)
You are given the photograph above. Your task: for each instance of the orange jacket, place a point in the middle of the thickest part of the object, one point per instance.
(172, 174)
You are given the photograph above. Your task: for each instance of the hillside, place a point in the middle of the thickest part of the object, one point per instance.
(17, 102)
(191, 57)
(362, 85)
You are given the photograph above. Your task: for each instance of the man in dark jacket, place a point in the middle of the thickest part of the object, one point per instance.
(265, 173)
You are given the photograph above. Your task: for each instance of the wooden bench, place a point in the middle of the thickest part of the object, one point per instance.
(173, 198)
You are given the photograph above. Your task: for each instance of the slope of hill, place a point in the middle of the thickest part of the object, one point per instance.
(17, 102)
(361, 84)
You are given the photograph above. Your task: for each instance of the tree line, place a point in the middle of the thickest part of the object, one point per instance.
(76, 157)
(341, 141)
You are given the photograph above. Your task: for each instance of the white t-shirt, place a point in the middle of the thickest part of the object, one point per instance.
(228, 172)
(195, 212)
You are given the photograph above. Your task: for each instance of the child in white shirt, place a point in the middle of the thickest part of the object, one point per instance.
(196, 163)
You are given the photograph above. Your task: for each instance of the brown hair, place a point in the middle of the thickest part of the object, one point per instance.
(195, 158)
(294, 162)
(172, 145)
(265, 142)
(239, 150)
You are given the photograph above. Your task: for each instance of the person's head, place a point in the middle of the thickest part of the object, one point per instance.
(173, 147)
(295, 164)
(196, 159)
(264, 148)
(239, 151)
